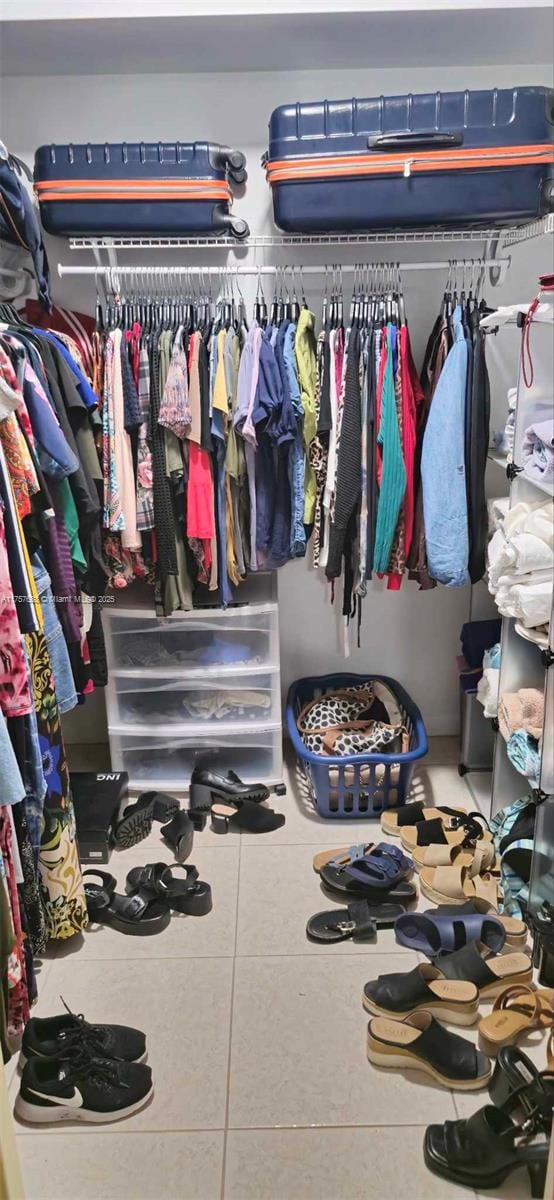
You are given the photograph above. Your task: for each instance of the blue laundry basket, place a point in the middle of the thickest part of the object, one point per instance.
(360, 785)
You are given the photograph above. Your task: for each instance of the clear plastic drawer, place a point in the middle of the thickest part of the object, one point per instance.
(161, 703)
(153, 761)
(205, 642)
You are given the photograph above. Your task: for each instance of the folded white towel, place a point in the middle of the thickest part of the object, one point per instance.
(487, 691)
(497, 509)
(529, 602)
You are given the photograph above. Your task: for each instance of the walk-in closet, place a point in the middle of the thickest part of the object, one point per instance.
(276, 571)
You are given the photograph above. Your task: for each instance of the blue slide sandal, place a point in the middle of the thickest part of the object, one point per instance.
(434, 934)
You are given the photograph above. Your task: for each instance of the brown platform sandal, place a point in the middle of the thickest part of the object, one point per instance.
(518, 1009)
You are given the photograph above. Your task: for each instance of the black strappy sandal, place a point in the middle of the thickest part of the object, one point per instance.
(360, 920)
(137, 819)
(179, 834)
(253, 818)
(140, 914)
(191, 895)
(517, 1085)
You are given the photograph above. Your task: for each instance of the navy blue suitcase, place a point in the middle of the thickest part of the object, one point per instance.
(139, 188)
(438, 159)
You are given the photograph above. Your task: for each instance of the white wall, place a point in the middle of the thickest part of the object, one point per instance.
(410, 635)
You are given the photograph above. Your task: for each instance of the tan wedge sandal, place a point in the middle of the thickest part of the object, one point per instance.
(395, 821)
(456, 884)
(491, 973)
(445, 831)
(482, 856)
(518, 1009)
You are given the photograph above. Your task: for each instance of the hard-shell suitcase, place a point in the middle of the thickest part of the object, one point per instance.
(439, 159)
(139, 188)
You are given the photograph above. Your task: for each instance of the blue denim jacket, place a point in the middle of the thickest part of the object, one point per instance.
(443, 470)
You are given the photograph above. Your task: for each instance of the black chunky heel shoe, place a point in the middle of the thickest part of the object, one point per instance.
(484, 1150)
(179, 834)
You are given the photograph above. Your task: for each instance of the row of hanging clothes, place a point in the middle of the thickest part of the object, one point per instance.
(229, 442)
(52, 654)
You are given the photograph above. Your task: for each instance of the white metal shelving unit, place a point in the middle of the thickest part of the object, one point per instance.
(523, 663)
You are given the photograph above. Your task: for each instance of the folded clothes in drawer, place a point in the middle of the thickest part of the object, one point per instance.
(196, 642)
(161, 702)
(168, 762)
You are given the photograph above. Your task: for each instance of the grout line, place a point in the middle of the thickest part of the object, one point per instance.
(232, 1005)
(371, 949)
(89, 1130)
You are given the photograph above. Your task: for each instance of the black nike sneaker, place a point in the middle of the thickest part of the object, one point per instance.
(81, 1088)
(58, 1037)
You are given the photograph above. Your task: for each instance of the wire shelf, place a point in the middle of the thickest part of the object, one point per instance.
(509, 235)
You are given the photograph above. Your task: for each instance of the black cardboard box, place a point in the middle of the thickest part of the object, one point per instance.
(97, 799)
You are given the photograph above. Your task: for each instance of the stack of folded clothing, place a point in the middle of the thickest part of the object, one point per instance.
(537, 452)
(520, 563)
(497, 508)
(487, 688)
(520, 720)
(503, 439)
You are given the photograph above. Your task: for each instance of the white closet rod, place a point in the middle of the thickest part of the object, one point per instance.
(231, 271)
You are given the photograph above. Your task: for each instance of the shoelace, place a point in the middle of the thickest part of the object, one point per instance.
(89, 1036)
(84, 1065)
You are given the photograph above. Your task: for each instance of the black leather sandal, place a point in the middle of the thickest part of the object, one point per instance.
(358, 921)
(137, 819)
(517, 1086)
(190, 895)
(484, 1150)
(421, 1043)
(140, 914)
(253, 818)
(179, 835)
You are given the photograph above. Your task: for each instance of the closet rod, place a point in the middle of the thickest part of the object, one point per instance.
(232, 271)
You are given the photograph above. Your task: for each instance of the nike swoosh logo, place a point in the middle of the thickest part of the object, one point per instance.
(74, 1101)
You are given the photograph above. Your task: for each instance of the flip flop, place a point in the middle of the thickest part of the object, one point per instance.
(342, 923)
(516, 930)
(393, 820)
(342, 856)
(138, 915)
(137, 819)
(517, 1010)
(190, 895)
(382, 871)
(433, 935)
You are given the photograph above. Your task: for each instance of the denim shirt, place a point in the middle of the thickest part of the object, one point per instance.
(443, 469)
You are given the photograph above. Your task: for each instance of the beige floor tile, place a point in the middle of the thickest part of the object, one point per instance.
(443, 751)
(279, 891)
(183, 1006)
(299, 1048)
(185, 936)
(434, 785)
(128, 1166)
(332, 1164)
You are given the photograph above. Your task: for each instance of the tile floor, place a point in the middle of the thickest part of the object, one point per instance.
(256, 1039)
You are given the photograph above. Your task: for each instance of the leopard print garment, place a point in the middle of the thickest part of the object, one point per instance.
(336, 710)
(318, 453)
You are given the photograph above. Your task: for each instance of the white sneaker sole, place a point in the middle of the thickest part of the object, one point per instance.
(38, 1114)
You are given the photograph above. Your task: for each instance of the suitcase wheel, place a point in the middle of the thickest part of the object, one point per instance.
(239, 228)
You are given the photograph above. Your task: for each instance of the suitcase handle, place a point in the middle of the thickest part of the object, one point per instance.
(408, 141)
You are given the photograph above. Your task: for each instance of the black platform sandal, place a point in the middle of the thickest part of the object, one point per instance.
(140, 914)
(190, 895)
(179, 834)
(137, 819)
(253, 818)
(484, 1150)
